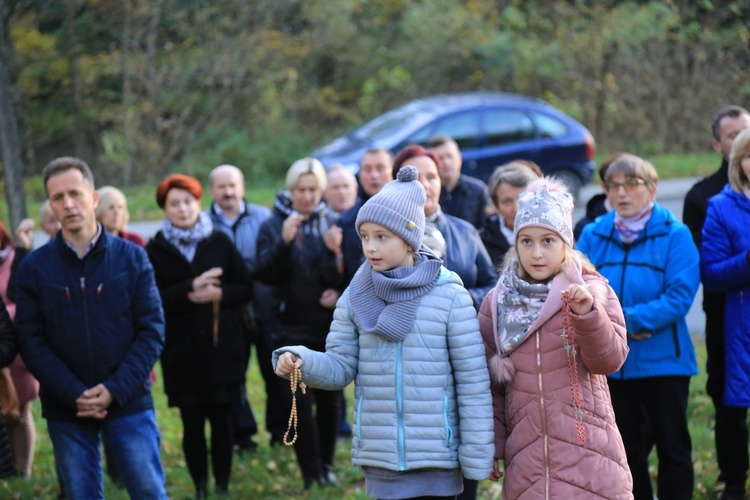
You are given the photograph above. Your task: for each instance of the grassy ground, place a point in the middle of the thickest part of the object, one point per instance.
(273, 472)
(142, 204)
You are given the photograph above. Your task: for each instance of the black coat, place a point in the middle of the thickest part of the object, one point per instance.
(468, 200)
(595, 207)
(694, 216)
(8, 342)
(194, 369)
(494, 240)
(302, 269)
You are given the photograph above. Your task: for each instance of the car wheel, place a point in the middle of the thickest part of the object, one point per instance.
(571, 180)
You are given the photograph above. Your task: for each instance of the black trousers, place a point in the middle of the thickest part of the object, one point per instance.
(244, 426)
(661, 404)
(318, 414)
(195, 447)
(276, 414)
(730, 434)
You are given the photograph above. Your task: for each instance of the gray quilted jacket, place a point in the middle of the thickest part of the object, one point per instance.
(420, 403)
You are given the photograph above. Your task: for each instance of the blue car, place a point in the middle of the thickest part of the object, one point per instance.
(491, 129)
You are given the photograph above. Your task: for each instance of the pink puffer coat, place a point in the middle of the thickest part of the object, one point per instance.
(535, 427)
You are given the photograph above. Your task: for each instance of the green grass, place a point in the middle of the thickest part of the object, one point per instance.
(273, 472)
(675, 165)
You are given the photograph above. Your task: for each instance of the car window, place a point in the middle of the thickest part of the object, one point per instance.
(503, 126)
(461, 127)
(389, 124)
(549, 127)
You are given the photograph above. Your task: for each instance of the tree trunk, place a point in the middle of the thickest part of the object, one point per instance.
(71, 49)
(9, 140)
(127, 93)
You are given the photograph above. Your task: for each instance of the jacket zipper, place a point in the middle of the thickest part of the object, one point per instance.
(82, 280)
(543, 408)
(620, 295)
(400, 411)
(446, 422)
(359, 420)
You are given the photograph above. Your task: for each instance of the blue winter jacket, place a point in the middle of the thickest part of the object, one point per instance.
(420, 403)
(85, 322)
(724, 268)
(655, 278)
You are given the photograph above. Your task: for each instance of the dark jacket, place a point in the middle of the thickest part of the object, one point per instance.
(494, 240)
(82, 322)
(244, 234)
(351, 245)
(694, 216)
(468, 200)
(466, 256)
(725, 269)
(595, 207)
(190, 362)
(8, 344)
(302, 269)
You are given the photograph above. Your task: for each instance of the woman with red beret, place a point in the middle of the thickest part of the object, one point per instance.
(203, 284)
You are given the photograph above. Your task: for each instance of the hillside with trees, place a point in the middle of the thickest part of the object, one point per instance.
(142, 87)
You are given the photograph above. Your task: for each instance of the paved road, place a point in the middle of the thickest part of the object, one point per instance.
(670, 194)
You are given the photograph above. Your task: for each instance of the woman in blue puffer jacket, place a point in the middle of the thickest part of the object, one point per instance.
(725, 267)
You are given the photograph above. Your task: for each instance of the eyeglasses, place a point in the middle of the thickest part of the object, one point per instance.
(629, 185)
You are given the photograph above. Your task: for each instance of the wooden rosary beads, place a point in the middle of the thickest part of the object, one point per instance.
(295, 380)
(568, 336)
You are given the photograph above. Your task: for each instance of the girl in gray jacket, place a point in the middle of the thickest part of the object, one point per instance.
(405, 331)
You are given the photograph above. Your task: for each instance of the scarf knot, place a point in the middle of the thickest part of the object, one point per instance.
(630, 227)
(186, 240)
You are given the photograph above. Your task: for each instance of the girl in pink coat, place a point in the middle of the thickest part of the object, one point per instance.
(554, 424)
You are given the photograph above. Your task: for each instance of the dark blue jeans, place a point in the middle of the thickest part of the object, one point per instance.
(133, 441)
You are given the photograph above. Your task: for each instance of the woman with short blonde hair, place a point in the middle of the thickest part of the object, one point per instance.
(112, 213)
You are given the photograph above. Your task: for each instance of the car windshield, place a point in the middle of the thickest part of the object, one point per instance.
(395, 123)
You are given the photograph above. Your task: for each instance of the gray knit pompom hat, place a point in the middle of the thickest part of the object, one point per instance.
(399, 207)
(546, 203)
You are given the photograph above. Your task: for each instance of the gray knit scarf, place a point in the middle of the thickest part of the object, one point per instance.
(518, 306)
(186, 240)
(385, 303)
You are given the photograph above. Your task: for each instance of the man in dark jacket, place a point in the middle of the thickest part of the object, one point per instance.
(731, 432)
(461, 196)
(240, 220)
(90, 328)
(375, 171)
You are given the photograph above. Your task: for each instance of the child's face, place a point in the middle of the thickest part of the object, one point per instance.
(540, 251)
(383, 249)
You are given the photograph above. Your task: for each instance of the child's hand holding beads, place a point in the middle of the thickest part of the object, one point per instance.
(581, 300)
(286, 364)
